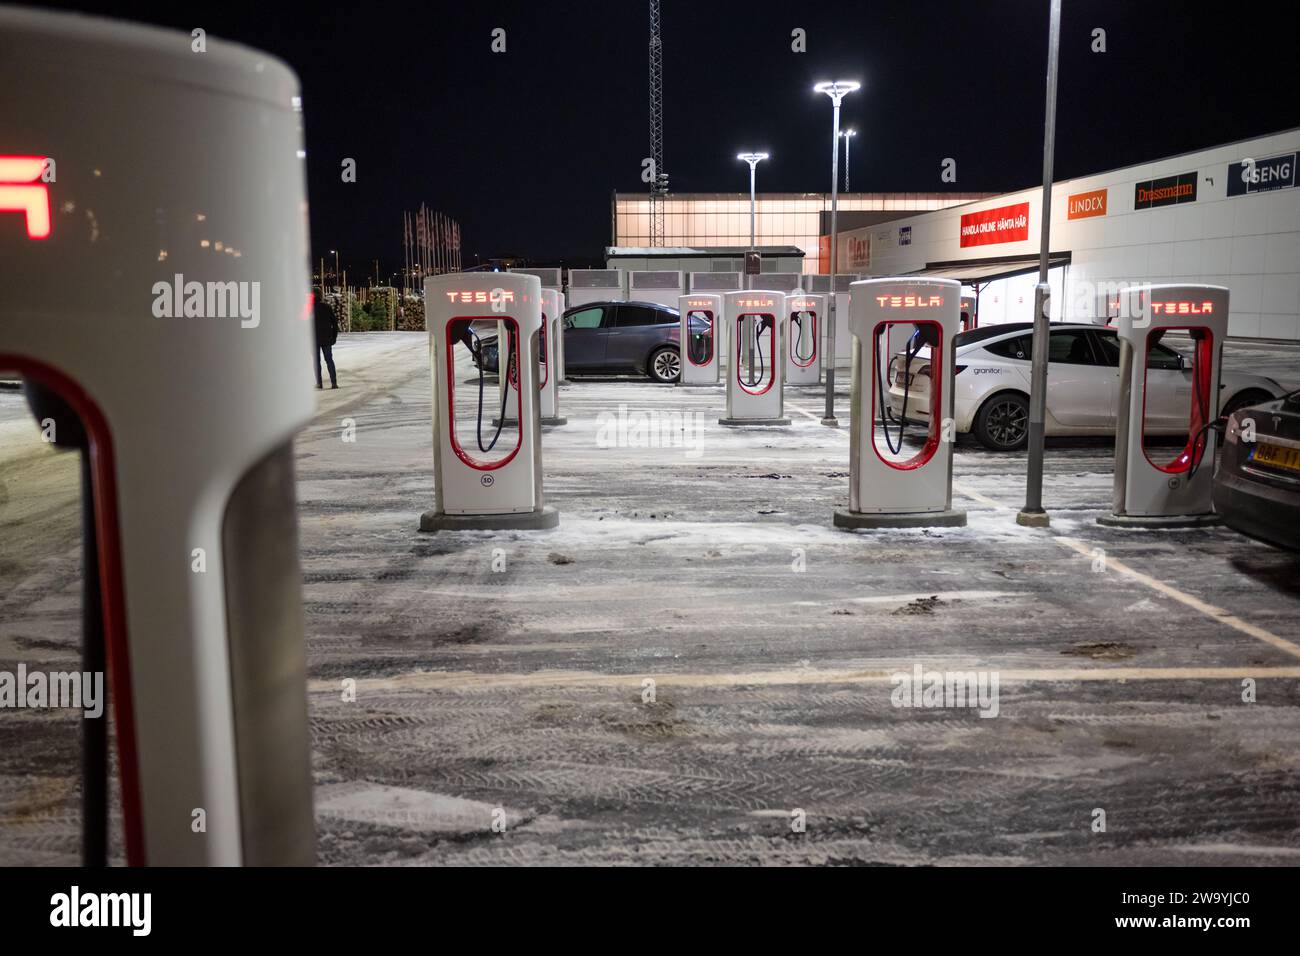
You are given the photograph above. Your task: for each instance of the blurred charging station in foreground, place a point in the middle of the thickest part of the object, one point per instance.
(170, 250)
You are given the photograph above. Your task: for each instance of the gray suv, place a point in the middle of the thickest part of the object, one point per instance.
(614, 337)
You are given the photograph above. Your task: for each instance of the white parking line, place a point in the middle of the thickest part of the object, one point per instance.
(1211, 611)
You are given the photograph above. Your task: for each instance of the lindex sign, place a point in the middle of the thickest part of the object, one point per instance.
(1261, 175)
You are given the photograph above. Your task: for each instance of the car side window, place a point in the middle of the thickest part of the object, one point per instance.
(586, 319)
(1163, 357)
(630, 315)
(1016, 347)
(1070, 348)
(1108, 346)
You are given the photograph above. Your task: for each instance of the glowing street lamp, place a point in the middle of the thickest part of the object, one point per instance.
(836, 90)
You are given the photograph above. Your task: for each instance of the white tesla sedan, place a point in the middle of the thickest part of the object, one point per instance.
(992, 367)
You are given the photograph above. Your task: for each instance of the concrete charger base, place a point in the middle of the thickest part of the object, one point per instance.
(541, 520)
(753, 421)
(1160, 521)
(851, 520)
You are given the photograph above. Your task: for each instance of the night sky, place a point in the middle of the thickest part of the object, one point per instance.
(525, 147)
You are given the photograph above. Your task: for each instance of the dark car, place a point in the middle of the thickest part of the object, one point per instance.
(614, 337)
(1257, 486)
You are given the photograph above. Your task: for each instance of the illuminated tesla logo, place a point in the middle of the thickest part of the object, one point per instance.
(755, 303)
(1182, 308)
(909, 301)
(21, 191)
(698, 303)
(481, 295)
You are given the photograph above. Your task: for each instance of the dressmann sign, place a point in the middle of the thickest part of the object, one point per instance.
(1168, 191)
(1261, 175)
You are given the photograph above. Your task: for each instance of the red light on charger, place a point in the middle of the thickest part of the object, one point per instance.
(21, 191)
(481, 295)
(1182, 308)
(909, 301)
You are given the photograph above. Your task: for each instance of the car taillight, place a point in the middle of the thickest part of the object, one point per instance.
(1230, 433)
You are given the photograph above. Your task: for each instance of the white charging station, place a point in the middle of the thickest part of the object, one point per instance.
(166, 309)
(547, 393)
(894, 484)
(805, 314)
(969, 313)
(560, 377)
(1156, 487)
(701, 316)
(755, 370)
(494, 482)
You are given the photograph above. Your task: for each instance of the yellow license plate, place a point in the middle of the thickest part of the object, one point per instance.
(1277, 457)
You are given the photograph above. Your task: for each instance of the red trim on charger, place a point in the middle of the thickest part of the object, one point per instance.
(931, 445)
(112, 593)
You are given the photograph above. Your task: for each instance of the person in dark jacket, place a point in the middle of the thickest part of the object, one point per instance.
(327, 333)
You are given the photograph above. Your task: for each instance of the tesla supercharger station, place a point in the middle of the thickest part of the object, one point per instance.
(969, 317)
(755, 370)
(487, 474)
(560, 377)
(547, 375)
(701, 322)
(1153, 488)
(804, 317)
(892, 484)
(155, 299)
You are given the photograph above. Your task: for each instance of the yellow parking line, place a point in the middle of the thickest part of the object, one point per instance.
(1195, 603)
(1211, 611)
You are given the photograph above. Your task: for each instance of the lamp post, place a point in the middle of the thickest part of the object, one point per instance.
(836, 91)
(1033, 514)
(848, 135)
(335, 254)
(753, 159)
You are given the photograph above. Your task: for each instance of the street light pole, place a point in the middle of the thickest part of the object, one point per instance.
(1033, 514)
(753, 159)
(848, 135)
(836, 91)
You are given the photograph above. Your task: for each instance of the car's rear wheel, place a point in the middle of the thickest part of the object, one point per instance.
(1002, 423)
(665, 365)
(1251, 396)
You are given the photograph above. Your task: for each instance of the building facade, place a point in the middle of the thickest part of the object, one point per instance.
(707, 220)
(1228, 215)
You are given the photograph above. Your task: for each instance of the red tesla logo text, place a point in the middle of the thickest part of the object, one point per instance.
(482, 295)
(755, 303)
(909, 301)
(1182, 308)
(22, 191)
